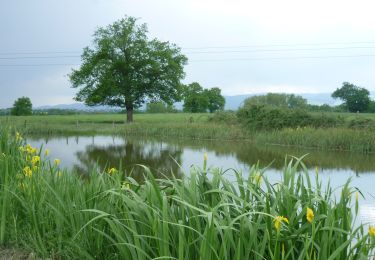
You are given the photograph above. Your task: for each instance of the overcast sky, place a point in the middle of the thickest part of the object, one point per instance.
(240, 46)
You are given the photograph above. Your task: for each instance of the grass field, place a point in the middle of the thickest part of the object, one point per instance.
(58, 215)
(356, 134)
(177, 125)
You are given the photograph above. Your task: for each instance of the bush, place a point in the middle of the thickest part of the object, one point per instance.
(261, 117)
(361, 123)
(228, 117)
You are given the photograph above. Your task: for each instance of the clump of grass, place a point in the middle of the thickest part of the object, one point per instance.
(342, 139)
(204, 215)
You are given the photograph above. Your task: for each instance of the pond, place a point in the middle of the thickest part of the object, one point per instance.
(85, 153)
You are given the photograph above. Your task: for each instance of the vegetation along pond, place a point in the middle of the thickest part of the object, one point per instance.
(85, 153)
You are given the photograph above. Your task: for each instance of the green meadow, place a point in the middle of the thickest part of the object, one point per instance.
(354, 132)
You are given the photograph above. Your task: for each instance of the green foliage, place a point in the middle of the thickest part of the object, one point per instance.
(340, 139)
(58, 215)
(355, 98)
(371, 107)
(215, 100)
(195, 100)
(160, 107)
(199, 100)
(261, 117)
(362, 123)
(123, 68)
(278, 100)
(226, 117)
(22, 107)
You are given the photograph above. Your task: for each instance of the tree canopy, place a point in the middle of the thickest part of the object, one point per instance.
(199, 100)
(278, 100)
(124, 68)
(195, 101)
(355, 98)
(215, 100)
(22, 107)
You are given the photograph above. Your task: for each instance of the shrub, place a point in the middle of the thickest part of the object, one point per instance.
(228, 117)
(261, 117)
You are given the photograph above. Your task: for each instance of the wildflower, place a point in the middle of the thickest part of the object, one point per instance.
(371, 231)
(204, 161)
(35, 160)
(258, 178)
(56, 162)
(278, 221)
(125, 186)
(112, 171)
(18, 136)
(27, 171)
(22, 149)
(309, 215)
(46, 152)
(30, 150)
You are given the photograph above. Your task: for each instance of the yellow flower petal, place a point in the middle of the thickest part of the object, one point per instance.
(309, 215)
(278, 221)
(371, 231)
(56, 162)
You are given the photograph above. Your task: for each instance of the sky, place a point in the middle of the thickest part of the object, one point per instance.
(241, 46)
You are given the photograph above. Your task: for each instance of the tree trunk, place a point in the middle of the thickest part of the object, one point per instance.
(129, 113)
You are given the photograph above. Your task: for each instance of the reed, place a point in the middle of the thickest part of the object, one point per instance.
(204, 215)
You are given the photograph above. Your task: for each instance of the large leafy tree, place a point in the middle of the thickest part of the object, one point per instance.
(215, 100)
(22, 107)
(355, 98)
(124, 68)
(195, 99)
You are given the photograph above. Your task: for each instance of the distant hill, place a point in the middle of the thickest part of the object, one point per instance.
(79, 107)
(231, 103)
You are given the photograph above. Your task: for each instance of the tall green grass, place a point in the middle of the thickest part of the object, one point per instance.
(361, 141)
(204, 215)
(179, 125)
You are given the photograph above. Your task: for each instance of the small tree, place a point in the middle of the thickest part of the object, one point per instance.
(124, 68)
(22, 107)
(355, 98)
(195, 99)
(215, 100)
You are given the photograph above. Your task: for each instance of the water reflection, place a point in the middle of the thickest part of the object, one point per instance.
(161, 159)
(85, 153)
(167, 155)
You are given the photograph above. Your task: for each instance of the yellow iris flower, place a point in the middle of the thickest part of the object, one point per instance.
(35, 160)
(371, 231)
(278, 221)
(56, 162)
(28, 172)
(112, 171)
(309, 215)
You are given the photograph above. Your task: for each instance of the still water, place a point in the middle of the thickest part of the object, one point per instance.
(164, 156)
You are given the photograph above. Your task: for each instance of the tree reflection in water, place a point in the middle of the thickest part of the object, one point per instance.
(162, 159)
